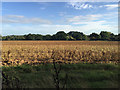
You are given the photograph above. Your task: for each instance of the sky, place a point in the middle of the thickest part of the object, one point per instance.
(19, 18)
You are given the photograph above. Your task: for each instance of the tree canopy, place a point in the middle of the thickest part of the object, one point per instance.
(61, 35)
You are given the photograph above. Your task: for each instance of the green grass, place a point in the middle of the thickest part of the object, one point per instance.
(79, 75)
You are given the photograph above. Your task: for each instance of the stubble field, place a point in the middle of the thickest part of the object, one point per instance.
(37, 52)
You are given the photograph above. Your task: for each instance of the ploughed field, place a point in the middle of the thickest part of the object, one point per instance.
(37, 52)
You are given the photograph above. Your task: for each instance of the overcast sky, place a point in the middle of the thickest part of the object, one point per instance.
(21, 18)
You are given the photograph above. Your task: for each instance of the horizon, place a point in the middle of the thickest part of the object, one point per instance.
(20, 18)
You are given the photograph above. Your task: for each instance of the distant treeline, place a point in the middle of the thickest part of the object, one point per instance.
(61, 35)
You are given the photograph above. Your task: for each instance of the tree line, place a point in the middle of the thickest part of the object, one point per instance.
(61, 35)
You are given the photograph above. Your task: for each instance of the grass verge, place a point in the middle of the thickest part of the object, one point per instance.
(79, 76)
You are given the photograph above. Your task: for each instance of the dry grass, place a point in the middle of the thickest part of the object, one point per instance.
(36, 52)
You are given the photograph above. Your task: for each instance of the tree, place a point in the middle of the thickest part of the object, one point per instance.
(30, 37)
(77, 35)
(85, 37)
(112, 37)
(38, 37)
(33, 37)
(94, 36)
(118, 37)
(70, 38)
(61, 35)
(47, 37)
(0, 37)
(105, 35)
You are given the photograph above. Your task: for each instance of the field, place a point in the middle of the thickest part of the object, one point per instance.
(35, 52)
(85, 64)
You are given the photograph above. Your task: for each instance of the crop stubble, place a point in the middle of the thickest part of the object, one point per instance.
(37, 52)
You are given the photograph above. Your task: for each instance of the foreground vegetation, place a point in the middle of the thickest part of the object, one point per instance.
(78, 76)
